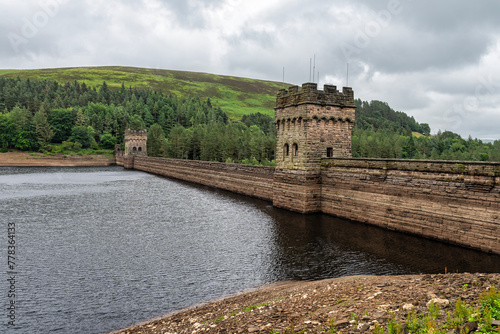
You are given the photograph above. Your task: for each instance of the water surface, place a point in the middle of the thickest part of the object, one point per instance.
(99, 249)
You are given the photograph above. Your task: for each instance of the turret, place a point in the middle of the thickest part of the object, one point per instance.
(312, 124)
(136, 142)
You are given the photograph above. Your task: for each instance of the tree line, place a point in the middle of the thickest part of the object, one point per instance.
(381, 132)
(36, 114)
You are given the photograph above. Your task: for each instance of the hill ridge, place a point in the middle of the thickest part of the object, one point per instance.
(235, 95)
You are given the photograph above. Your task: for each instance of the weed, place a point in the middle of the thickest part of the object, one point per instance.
(393, 326)
(485, 324)
(462, 311)
(490, 300)
(332, 329)
(413, 323)
(252, 307)
(378, 329)
(434, 310)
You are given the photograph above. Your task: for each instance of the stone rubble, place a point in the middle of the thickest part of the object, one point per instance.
(352, 304)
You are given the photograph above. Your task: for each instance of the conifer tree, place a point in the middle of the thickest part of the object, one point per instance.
(81, 118)
(43, 129)
(156, 141)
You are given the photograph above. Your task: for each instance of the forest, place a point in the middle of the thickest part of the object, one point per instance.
(46, 116)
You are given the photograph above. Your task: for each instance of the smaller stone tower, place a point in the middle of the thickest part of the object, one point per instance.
(312, 124)
(136, 142)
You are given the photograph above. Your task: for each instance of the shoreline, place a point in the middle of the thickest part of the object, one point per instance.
(354, 303)
(26, 159)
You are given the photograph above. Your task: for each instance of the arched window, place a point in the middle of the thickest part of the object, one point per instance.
(295, 150)
(286, 150)
(134, 149)
(140, 149)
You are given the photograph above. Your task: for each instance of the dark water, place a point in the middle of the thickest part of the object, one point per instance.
(98, 249)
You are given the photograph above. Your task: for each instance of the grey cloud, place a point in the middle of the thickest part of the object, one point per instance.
(424, 51)
(422, 60)
(190, 13)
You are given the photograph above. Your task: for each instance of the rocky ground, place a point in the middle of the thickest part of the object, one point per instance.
(347, 305)
(25, 159)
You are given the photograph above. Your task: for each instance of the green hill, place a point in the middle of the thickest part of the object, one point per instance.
(236, 96)
(47, 106)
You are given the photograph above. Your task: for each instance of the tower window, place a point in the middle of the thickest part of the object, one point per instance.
(295, 149)
(286, 150)
(140, 149)
(329, 152)
(134, 149)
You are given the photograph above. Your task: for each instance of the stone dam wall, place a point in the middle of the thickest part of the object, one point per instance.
(254, 181)
(456, 202)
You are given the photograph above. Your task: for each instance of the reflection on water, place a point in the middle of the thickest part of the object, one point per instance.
(103, 248)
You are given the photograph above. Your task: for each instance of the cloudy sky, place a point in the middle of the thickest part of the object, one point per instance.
(438, 61)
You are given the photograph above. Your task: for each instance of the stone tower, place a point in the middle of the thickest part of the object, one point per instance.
(136, 142)
(312, 124)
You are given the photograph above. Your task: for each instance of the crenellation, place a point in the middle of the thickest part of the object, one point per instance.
(309, 94)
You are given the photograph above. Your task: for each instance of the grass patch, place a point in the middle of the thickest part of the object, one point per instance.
(253, 307)
(434, 322)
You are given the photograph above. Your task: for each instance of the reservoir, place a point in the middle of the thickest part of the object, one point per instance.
(99, 249)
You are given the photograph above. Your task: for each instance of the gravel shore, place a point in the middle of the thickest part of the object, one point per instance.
(348, 305)
(25, 159)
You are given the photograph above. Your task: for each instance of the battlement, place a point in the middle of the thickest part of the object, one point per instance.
(136, 133)
(310, 94)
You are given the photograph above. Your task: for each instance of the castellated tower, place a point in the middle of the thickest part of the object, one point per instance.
(135, 142)
(312, 124)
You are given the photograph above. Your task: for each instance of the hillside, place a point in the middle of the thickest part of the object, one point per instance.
(194, 110)
(236, 96)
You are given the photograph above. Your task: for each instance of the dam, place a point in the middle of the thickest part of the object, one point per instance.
(456, 202)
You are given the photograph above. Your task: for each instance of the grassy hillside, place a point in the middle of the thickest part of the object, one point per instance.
(236, 96)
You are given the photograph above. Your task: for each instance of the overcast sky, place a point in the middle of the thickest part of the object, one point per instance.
(438, 61)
